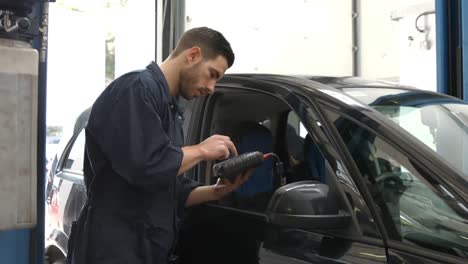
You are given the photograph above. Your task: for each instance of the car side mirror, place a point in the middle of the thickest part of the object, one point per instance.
(307, 205)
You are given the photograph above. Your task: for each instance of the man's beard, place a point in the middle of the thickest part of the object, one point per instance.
(187, 81)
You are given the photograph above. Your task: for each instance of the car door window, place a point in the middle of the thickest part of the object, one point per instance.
(412, 210)
(74, 159)
(306, 161)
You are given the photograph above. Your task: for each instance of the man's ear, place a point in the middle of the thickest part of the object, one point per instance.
(193, 54)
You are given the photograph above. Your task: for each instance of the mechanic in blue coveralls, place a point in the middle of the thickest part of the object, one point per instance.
(135, 158)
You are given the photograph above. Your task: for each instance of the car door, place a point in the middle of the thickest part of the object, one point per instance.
(361, 242)
(68, 193)
(423, 221)
(241, 229)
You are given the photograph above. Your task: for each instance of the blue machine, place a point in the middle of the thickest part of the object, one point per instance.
(452, 47)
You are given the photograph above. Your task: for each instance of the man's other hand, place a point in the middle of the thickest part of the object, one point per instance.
(207, 193)
(224, 186)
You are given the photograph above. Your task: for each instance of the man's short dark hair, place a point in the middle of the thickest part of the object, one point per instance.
(211, 42)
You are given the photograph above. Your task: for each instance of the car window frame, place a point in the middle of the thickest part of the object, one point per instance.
(192, 134)
(425, 172)
(303, 109)
(66, 153)
(328, 131)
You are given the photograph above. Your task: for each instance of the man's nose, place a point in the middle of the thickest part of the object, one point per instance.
(211, 86)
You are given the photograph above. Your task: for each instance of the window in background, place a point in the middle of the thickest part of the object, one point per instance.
(110, 57)
(92, 42)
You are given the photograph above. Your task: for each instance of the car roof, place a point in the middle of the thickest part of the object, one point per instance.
(351, 81)
(333, 81)
(329, 86)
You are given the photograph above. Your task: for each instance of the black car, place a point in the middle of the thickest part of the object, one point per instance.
(367, 172)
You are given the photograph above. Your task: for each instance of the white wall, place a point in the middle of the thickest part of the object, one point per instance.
(315, 37)
(379, 51)
(386, 49)
(277, 36)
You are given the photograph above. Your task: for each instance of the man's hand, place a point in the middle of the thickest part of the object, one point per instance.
(217, 147)
(215, 192)
(224, 186)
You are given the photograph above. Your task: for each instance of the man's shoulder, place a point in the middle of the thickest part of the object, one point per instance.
(134, 79)
(123, 81)
(154, 84)
(142, 82)
(151, 76)
(147, 77)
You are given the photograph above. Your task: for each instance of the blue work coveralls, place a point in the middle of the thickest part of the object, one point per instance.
(133, 153)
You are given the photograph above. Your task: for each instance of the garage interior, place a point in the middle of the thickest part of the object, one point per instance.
(57, 56)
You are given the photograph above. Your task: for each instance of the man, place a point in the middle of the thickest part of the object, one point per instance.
(134, 156)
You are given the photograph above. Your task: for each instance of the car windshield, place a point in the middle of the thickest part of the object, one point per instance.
(438, 121)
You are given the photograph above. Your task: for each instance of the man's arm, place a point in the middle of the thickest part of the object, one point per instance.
(201, 194)
(192, 156)
(215, 192)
